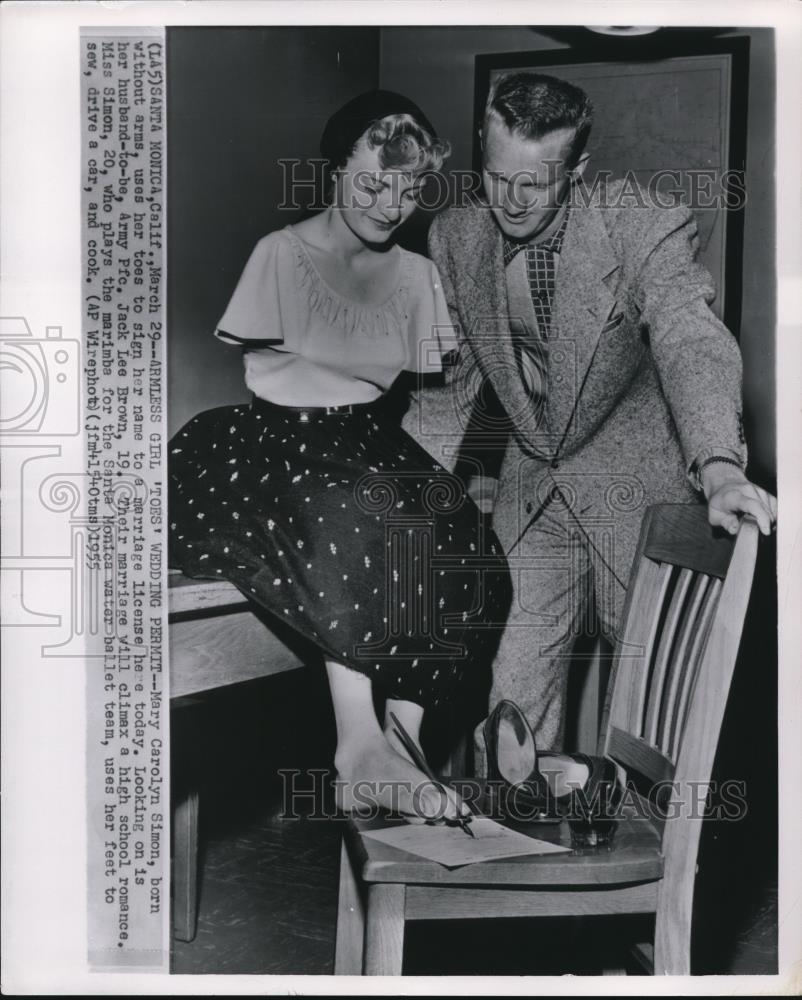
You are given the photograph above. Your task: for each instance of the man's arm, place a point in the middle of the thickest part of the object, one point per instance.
(439, 413)
(699, 365)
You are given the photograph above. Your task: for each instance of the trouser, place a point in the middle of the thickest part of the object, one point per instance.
(570, 541)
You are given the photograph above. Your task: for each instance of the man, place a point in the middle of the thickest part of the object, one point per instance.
(590, 320)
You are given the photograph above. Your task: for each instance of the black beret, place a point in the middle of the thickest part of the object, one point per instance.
(346, 126)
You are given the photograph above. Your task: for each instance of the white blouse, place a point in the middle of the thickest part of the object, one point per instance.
(308, 345)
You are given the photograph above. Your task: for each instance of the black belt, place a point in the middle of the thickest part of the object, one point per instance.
(306, 413)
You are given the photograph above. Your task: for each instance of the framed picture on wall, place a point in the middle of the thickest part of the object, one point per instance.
(670, 122)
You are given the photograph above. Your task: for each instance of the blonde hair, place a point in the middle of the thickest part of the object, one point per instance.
(404, 145)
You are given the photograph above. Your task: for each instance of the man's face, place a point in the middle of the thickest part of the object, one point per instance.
(526, 180)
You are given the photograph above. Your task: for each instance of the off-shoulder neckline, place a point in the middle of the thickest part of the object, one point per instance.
(403, 283)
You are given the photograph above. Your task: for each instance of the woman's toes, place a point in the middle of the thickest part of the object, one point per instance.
(396, 784)
(437, 802)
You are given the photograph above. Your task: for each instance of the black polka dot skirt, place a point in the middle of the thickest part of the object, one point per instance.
(340, 524)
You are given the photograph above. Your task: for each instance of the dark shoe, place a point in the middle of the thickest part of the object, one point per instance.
(514, 784)
(598, 798)
(518, 788)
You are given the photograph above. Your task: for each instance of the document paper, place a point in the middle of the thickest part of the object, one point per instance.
(451, 847)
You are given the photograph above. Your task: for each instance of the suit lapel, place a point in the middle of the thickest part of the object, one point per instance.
(583, 301)
(487, 326)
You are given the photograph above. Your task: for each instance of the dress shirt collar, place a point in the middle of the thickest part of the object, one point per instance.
(553, 242)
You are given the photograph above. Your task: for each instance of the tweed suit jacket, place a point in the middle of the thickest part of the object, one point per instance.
(642, 377)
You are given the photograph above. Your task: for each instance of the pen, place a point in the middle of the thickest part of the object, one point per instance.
(420, 762)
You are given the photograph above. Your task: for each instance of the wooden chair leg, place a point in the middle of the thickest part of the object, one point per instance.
(384, 933)
(185, 866)
(349, 948)
(672, 943)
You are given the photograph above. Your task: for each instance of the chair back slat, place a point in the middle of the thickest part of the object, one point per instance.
(635, 651)
(688, 629)
(664, 665)
(667, 620)
(701, 631)
(634, 752)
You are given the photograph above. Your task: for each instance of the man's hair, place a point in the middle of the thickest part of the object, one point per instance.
(533, 105)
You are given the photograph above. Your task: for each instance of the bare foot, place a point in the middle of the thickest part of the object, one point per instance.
(375, 773)
(397, 745)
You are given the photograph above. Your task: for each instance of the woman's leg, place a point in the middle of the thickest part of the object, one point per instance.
(370, 769)
(410, 715)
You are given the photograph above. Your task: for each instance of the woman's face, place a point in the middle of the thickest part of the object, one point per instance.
(374, 202)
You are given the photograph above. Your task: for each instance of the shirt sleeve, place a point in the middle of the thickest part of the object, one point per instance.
(431, 334)
(263, 310)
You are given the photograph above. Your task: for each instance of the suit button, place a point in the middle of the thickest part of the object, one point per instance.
(558, 378)
(529, 507)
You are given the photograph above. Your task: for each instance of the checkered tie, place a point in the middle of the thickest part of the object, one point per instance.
(541, 269)
(531, 345)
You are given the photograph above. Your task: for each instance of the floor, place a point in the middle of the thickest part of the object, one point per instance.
(269, 884)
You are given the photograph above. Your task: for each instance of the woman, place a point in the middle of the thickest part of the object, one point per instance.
(313, 500)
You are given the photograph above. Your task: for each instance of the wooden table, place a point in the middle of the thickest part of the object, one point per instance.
(216, 639)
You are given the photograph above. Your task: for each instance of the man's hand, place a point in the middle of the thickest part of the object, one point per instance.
(730, 494)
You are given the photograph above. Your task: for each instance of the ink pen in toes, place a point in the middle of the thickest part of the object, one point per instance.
(421, 763)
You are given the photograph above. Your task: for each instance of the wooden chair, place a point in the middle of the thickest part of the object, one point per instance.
(673, 664)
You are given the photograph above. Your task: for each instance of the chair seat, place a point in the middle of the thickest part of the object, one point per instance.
(634, 857)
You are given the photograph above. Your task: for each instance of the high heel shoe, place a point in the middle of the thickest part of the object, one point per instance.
(517, 785)
(514, 783)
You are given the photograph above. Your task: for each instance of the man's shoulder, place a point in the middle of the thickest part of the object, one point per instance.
(460, 222)
(628, 208)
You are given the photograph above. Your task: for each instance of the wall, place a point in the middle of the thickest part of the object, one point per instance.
(435, 66)
(238, 98)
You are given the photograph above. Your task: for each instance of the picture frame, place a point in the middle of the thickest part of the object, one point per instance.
(692, 114)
